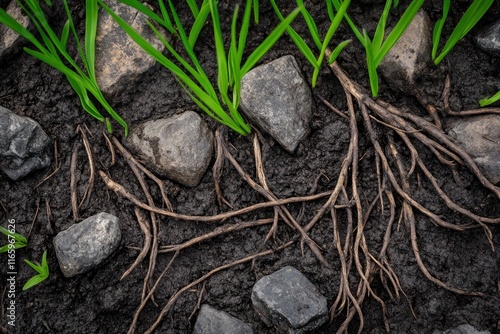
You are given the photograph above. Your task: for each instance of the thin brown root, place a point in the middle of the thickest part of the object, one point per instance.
(56, 169)
(74, 194)
(88, 191)
(147, 243)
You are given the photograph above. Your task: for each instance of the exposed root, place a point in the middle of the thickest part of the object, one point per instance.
(56, 169)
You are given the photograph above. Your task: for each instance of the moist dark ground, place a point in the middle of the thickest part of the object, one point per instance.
(98, 302)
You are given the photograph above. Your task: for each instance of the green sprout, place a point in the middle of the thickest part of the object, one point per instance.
(473, 14)
(378, 47)
(192, 77)
(19, 240)
(42, 269)
(316, 61)
(53, 50)
(491, 100)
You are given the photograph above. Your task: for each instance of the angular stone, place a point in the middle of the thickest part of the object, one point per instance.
(85, 245)
(23, 145)
(489, 40)
(179, 147)
(288, 300)
(119, 60)
(403, 64)
(480, 137)
(211, 321)
(462, 329)
(276, 97)
(9, 40)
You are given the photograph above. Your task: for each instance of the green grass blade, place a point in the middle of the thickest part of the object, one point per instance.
(199, 23)
(329, 9)
(16, 236)
(244, 31)
(91, 17)
(311, 25)
(354, 29)
(65, 34)
(223, 77)
(34, 281)
(273, 37)
(338, 49)
(490, 100)
(396, 4)
(398, 30)
(378, 36)
(164, 22)
(36, 266)
(256, 11)
(194, 7)
(167, 22)
(438, 28)
(10, 22)
(372, 67)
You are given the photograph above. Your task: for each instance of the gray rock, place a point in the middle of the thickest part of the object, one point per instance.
(119, 60)
(276, 98)
(85, 245)
(462, 329)
(489, 40)
(480, 137)
(23, 145)
(211, 321)
(410, 55)
(179, 147)
(288, 300)
(9, 40)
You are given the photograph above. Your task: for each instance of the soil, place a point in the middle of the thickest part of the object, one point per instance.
(98, 302)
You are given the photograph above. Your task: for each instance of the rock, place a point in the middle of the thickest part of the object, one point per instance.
(288, 300)
(462, 329)
(119, 60)
(407, 59)
(9, 40)
(211, 321)
(85, 245)
(23, 145)
(489, 40)
(276, 97)
(480, 137)
(179, 147)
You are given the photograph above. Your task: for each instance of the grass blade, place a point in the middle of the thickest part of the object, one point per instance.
(256, 11)
(164, 22)
(91, 17)
(438, 28)
(338, 49)
(491, 100)
(199, 23)
(379, 34)
(372, 67)
(313, 29)
(194, 7)
(34, 281)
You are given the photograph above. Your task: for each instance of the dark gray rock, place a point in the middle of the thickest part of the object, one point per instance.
(211, 321)
(9, 40)
(119, 60)
(23, 145)
(462, 329)
(276, 98)
(480, 137)
(410, 55)
(179, 147)
(489, 40)
(287, 300)
(85, 245)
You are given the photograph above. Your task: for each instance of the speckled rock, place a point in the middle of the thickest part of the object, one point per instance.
(462, 329)
(179, 147)
(23, 145)
(410, 55)
(276, 98)
(119, 60)
(489, 40)
(9, 40)
(480, 137)
(85, 245)
(287, 300)
(212, 321)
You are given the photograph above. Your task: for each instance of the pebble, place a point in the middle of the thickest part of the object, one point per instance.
(23, 145)
(462, 329)
(212, 321)
(489, 40)
(179, 147)
(287, 300)
(277, 99)
(9, 40)
(85, 245)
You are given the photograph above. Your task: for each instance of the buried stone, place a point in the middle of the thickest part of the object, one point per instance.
(489, 40)
(23, 145)
(179, 147)
(287, 300)
(85, 245)
(212, 321)
(277, 99)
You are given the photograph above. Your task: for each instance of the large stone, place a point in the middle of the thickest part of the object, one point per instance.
(407, 59)
(179, 147)
(119, 60)
(489, 40)
(85, 245)
(211, 321)
(288, 300)
(276, 98)
(462, 329)
(9, 40)
(23, 145)
(480, 137)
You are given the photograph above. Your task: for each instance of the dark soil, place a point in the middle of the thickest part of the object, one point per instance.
(98, 302)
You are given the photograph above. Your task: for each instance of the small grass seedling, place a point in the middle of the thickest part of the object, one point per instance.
(192, 77)
(316, 61)
(378, 47)
(473, 14)
(490, 100)
(15, 239)
(42, 269)
(53, 50)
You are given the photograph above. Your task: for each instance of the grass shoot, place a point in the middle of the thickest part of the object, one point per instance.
(15, 240)
(41, 269)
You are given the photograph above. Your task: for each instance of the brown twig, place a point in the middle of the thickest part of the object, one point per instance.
(147, 243)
